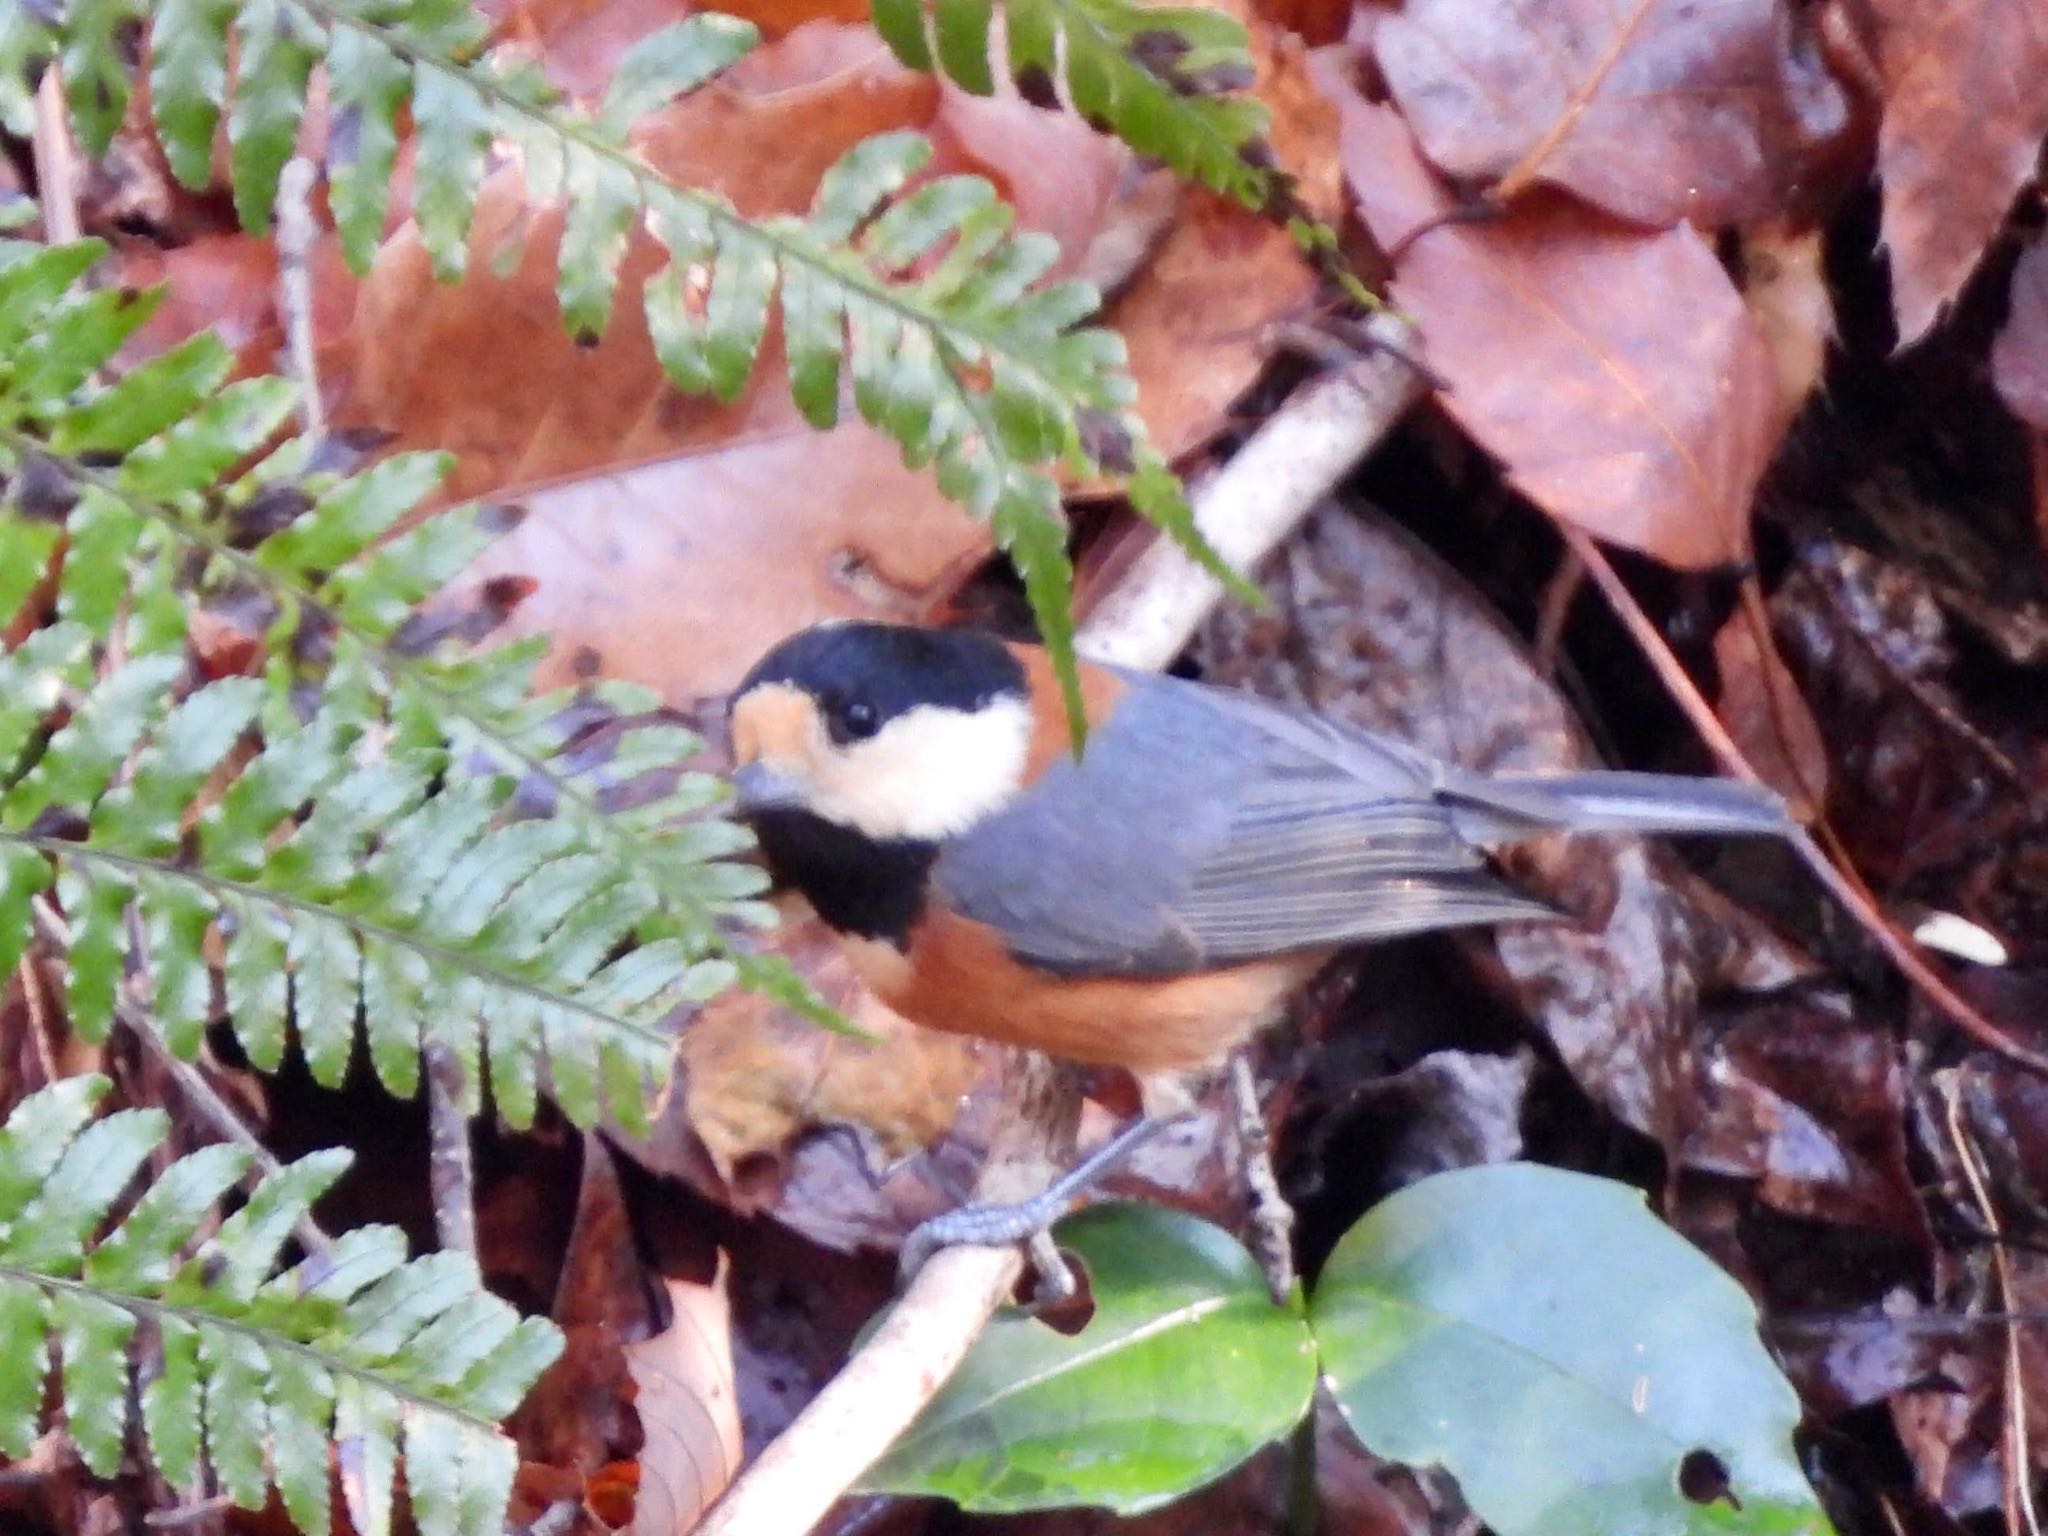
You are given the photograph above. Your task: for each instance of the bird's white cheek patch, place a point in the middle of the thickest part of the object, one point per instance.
(930, 773)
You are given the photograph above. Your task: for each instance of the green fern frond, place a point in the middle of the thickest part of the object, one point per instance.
(920, 293)
(254, 1372)
(376, 824)
(1170, 81)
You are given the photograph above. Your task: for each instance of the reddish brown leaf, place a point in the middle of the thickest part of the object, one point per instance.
(1964, 115)
(2019, 357)
(1616, 374)
(1656, 110)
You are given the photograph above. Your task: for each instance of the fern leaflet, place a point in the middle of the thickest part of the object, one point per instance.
(256, 1370)
(369, 822)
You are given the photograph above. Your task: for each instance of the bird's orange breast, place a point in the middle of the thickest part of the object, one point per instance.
(957, 975)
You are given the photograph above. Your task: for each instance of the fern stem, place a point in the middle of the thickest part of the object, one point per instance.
(240, 891)
(155, 1308)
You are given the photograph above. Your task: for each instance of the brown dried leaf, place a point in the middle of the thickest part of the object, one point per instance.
(689, 1410)
(575, 1420)
(2019, 357)
(1964, 116)
(757, 1076)
(679, 574)
(1615, 374)
(1657, 111)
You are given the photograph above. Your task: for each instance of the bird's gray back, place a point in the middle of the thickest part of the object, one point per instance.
(1203, 827)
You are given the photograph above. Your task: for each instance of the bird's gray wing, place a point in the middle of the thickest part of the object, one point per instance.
(1204, 827)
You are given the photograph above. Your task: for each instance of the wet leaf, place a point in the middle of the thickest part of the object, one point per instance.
(1573, 1362)
(1962, 129)
(1657, 111)
(1615, 374)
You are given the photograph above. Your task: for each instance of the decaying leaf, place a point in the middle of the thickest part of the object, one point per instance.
(1615, 374)
(1656, 110)
(689, 1411)
(1964, 117)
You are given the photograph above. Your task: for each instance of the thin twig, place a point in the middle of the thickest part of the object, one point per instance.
(1272, 1218)
(191, 1081)
(56, 160)
(41, 1035)
(296, 233)
(451, 1169)
(1898, 947)
(2020, 1514)
(1246, 508)
(189, 1514)
(845, 1429)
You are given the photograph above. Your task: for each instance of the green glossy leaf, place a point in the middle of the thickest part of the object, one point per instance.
(142, 1253)
(174, 1403)
(366, 1442)
(604, 200)
(1185, 1369)
(860, 180)
(234, 1367)
(301, 1409)
(92, 1342)
(96, 74)
(1561, 1352)
(24, 1364)
(146, 400)
(49, 1236)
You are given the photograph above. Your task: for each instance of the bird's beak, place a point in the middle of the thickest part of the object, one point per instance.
(758, 787)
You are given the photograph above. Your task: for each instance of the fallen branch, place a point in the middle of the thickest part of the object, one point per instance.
(1245, 509)
(845, 1429)
(56, 160)
(1250, 505)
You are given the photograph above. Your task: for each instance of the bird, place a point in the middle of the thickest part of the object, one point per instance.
(1151, 900)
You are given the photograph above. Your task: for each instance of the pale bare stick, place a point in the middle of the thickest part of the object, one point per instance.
(56, 160)
(451, 1169)
(1898, 948)
(1250, 505)
(845, 1429)
(296, 233)
(2020, 1513)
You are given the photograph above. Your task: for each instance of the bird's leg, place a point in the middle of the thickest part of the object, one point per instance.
(1272, 1218)
(993, 1226)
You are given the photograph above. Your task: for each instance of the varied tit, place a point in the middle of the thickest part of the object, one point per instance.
(1153, 903)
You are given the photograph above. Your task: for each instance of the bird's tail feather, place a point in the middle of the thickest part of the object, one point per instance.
(1510, 806)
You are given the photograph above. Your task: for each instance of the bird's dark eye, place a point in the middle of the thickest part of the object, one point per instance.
(856, 719)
